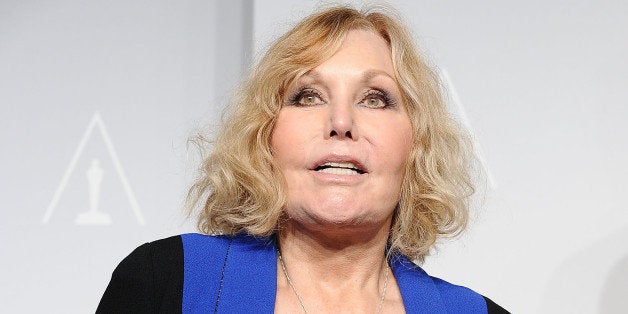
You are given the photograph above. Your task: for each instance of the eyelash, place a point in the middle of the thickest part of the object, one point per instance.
(382, 95)
(295, 99)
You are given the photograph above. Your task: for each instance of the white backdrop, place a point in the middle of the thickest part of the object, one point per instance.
(541, 84)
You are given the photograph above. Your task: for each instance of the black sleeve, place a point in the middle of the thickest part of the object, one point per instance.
(493, 308)
(149, 280)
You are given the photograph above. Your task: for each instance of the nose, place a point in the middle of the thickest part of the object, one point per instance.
(341, 122)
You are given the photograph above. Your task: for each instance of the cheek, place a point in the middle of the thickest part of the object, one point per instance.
(287, 140)
(404, 143)
(398, 144)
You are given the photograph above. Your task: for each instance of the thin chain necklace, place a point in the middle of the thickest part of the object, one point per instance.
(285, 272)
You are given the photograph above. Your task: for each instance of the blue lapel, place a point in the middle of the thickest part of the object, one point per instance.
(249, 267)
(419, 293)
(250, 283)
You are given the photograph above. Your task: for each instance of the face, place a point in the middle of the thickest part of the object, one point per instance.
(343, 137)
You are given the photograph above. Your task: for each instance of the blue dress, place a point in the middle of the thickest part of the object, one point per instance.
(238, 274)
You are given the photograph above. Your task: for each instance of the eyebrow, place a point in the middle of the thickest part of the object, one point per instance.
(366, 75)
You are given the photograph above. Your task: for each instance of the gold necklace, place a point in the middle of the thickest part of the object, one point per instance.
(285, 272)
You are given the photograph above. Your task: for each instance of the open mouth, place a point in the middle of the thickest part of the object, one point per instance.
(345, 168)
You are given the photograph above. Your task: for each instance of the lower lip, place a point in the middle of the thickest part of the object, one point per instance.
(343, 179)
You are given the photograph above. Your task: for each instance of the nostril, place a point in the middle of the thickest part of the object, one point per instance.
(347, 134)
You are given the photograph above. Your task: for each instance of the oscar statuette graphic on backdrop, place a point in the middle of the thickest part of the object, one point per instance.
(93, 216)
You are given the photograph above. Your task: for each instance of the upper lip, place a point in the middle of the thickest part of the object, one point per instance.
(357, 164)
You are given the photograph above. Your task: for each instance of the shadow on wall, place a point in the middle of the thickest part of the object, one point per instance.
(234, 33)
(595, 280)
(614, 297)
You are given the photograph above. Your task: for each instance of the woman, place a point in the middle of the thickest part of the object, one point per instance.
(337, 166)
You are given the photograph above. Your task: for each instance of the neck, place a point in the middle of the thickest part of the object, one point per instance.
(335, 259)
(335, 271)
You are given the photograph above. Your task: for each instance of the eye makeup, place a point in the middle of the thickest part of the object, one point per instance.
(378, 94)
(306, 96)
(373, 97)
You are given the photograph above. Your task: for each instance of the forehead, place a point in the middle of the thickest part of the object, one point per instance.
(360, 51)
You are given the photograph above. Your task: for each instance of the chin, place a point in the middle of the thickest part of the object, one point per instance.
(334, 218)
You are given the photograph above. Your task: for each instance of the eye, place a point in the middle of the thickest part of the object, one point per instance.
(377, 99)
(306, 97)
(374, 102)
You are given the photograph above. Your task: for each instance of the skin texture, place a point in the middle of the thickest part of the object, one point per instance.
(340, 123)
(347, 109)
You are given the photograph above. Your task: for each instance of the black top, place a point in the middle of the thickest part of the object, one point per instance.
(150, 280)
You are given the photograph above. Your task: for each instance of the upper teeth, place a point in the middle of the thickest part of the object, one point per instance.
(339, 168)
(345, 171)
(340, 165)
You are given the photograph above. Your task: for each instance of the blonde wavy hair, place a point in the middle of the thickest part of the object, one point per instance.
(240, 190)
